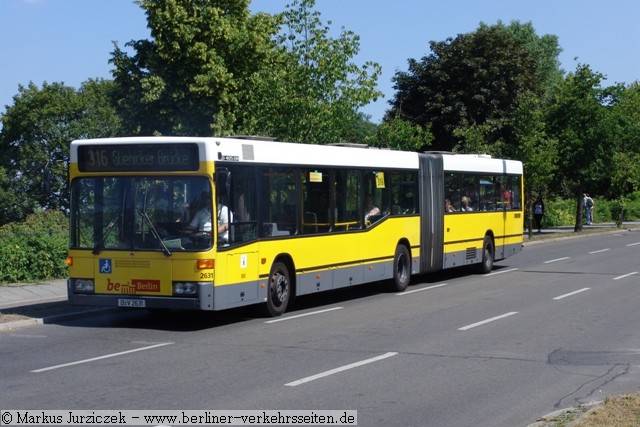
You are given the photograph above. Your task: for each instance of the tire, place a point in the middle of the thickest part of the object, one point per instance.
(401, 269)
(488, 254)
(279, 291)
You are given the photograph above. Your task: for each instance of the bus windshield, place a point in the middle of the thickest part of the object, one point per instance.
(161, 213)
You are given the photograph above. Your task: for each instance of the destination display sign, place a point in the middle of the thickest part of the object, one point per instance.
(138, 157)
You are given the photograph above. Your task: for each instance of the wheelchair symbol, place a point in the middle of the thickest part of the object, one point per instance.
(105, 265)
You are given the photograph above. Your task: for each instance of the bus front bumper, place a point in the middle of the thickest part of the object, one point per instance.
(204, 300)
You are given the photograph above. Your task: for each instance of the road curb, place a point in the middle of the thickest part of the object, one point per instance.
(19, 324)
(552, 418)
(576, 235)
(25, 323)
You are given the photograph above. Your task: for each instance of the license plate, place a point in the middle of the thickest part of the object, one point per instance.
(131, 303)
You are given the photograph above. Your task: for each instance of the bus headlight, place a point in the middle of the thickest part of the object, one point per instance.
(83, 286)
(185, 289)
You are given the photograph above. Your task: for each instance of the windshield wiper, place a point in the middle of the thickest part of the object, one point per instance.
(107, 231)
(154, 232)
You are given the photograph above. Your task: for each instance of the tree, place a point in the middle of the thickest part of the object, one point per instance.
(34, 141)
(196, 75)
(544, 49)
(471, 86)
(624, 123)
(537, 150)
(576, 118)
(312, 91)
(402, 135)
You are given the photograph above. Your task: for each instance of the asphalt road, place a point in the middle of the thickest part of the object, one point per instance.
(552, 327)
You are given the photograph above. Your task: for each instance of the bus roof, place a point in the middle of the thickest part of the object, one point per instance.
(346, 155)
(274, 152)
(480, 163)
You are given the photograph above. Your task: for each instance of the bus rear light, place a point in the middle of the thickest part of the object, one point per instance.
(205, 264)
(69, 261)
(83, 286)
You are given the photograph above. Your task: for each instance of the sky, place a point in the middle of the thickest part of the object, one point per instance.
(71, 41)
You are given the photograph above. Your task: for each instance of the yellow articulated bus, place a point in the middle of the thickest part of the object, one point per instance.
(216, 223)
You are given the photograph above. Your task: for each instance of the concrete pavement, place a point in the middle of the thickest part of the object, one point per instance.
(17, 295)
(23, 305)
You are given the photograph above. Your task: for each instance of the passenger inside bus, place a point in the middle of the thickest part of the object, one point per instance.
(371, 212)
(465, 206)
(448, 207)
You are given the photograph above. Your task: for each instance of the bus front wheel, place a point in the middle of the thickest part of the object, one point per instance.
(279, 289)
(401, 268)
(487, 255)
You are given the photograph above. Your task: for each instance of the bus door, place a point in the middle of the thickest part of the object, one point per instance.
(237, 262)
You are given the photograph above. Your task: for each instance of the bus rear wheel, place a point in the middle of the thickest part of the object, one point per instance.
(279, 290)
(487, 255)
(401, 268)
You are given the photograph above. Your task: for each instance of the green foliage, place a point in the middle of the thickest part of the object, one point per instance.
(625, 177)
(198, 72)
(402, 135)
(544, 49)
(576, 117)
(312, 91)
(536, 149)
(468, 82)
(474, 138)
(34, 142)
(628, 206)
(562, 212)
(624, 124)
(212, 68)
(35, 249)
(558, 212)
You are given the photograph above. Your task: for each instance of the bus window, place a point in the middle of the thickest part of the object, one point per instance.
(136, 213)
(348, 200)
(452, 190)
(470, 191)
(488, 193)
(316, 190)
(513, 185)
(375, 200)
(404, 193)
(242, 202)
(279, 201)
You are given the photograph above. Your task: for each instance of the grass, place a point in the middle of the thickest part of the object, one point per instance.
(617, 411)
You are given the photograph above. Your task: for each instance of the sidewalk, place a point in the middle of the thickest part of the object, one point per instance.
(23, 305)
(601, 225)
(27, 294)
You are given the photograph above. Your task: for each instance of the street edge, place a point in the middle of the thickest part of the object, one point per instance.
(25, 323)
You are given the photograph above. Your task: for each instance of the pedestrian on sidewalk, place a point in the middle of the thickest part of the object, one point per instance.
(587, 201)
(538, 213)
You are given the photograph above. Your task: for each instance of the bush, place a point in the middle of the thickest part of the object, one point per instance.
(35, 249)
(561, 212)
